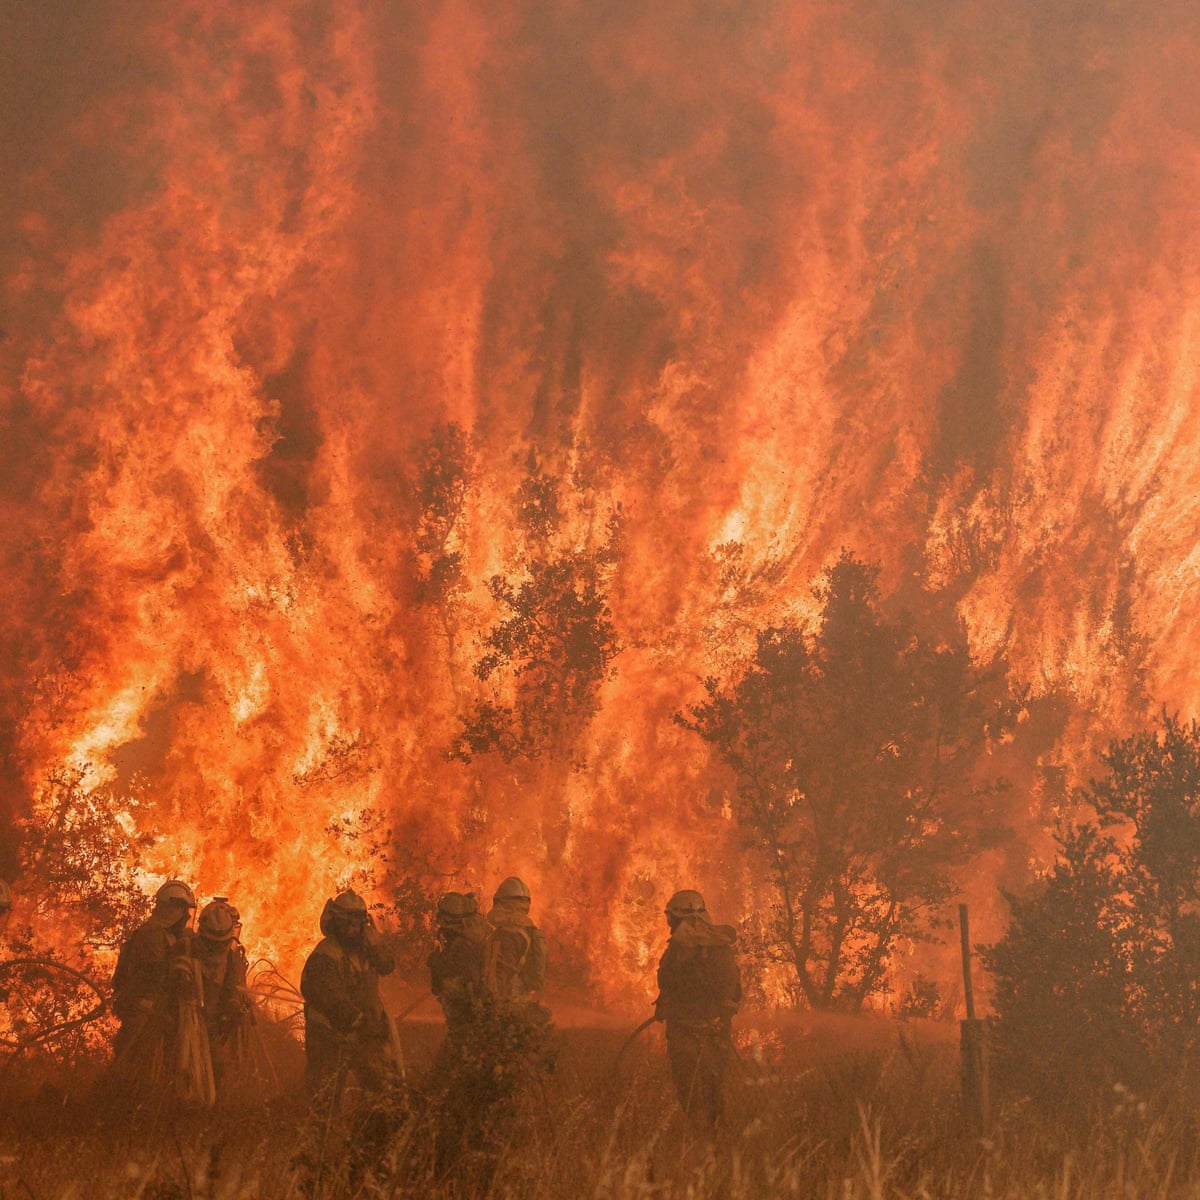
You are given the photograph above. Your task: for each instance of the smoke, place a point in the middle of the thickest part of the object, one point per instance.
(762, 281)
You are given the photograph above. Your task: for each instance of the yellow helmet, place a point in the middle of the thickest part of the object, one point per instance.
(349, 904)
(345, 909)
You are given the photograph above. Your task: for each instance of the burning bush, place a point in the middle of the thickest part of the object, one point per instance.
(852, 747)
(1098, 976)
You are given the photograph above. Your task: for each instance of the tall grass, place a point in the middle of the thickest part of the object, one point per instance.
(858, 1111)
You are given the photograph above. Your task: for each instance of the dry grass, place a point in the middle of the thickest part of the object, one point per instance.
(844, 1110)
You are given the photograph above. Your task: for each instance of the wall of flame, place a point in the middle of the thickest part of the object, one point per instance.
(920, 280)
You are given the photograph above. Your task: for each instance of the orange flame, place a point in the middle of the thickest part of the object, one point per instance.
(922, 283)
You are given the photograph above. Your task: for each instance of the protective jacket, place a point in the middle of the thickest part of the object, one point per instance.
(143, 972)
(698, 977)
(225, 1001)
(456, 969)
(344, 1018)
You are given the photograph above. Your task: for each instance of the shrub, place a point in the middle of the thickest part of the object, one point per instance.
(1096, 977)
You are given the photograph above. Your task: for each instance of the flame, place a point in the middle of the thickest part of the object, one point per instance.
(922, 283)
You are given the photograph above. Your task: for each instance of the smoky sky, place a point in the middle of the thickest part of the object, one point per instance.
(1020, 82)
(1025, 73)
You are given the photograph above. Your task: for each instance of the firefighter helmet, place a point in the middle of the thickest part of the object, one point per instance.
(218, 921)
(5, 897)
(346, 910)
(350, 904)
(512, 888)
(456, 906)
(174, 892)
(685, 904)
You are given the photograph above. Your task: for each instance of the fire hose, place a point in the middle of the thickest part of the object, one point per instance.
(268, 985)
(633, 1037)
(418, 1001)
(44, 1035)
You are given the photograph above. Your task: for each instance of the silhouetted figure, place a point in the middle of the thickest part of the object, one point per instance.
(224, 1000)
(143, 997)
(699, 990)
(514, 967)
(487, 975)
(456, 967)
(346, 1028)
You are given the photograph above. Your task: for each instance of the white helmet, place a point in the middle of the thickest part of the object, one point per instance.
(514, 889)
(173, 891)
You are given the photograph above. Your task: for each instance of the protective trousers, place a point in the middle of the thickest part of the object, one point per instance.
(700, 1055)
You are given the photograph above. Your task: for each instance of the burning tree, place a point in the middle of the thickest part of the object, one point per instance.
(82, 860)
(79, 864)
(852, 747)
(1098, 975)
(552, 646)
(440, 485)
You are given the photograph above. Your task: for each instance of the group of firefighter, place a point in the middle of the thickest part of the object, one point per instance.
(181, 997)
(180, 994)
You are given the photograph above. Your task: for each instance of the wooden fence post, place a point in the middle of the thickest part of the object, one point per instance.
(973, 1045)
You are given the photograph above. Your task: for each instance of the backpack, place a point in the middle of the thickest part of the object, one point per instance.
(505, 954)
(698, 976)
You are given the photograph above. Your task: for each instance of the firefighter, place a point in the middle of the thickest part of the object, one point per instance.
(142, 981)
(487, 976)
(456, 979)
(456, 966)
(346, 1027)
(515, 956)
(221, 962)
(699, 990)
(5, 905)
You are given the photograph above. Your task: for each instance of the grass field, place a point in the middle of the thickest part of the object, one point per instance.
(818, 1108)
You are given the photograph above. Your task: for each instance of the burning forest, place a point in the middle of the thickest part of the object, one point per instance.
(638, 451)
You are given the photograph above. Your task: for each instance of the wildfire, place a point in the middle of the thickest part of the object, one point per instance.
(375, 316)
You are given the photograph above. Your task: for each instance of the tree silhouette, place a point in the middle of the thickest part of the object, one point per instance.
(551, 648)
(1098, 975)
(80, 861)
(851, 747)
(441, 482)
